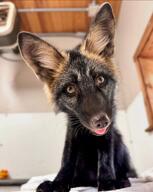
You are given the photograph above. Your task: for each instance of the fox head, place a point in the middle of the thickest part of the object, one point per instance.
(82, 81)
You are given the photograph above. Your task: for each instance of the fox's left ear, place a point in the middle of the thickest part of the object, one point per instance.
(100, 38)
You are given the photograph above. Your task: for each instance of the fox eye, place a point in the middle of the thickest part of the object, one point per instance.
(100, 80)
(71, 89)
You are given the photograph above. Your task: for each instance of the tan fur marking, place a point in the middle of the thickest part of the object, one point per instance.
(96, 41)
(48, 93)
(104, 61)
(48, 87)
(61, 66)
(51, 57)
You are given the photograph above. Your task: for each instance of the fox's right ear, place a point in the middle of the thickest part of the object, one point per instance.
(41, 57)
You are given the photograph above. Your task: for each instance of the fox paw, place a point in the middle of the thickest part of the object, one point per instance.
(49, 186)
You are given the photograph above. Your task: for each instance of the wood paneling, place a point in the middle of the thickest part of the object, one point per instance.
(147, 76)
(144, 62)
(148, 49)
(57, 21)
(53, 22)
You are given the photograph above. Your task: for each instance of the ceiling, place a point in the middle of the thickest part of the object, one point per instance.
(43, 22)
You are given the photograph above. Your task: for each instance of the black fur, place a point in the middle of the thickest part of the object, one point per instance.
(84, 88)
(89, 160)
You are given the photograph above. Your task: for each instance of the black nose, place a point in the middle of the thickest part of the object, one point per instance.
(100, 121)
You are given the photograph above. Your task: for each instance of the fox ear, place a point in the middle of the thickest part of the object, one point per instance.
(41, 57)
(99, 39)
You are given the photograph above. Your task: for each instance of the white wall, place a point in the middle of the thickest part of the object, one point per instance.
(31, 143)
(133, 18)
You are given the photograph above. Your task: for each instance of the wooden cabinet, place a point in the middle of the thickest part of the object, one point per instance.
(144, 63)
(57, 21)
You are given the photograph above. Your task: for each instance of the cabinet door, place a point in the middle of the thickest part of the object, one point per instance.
(144, 61)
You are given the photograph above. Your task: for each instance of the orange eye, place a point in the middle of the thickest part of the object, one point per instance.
(71, 89)
(100, 80)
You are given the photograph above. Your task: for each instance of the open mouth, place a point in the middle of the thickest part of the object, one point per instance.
(98, 128)
(102, 131)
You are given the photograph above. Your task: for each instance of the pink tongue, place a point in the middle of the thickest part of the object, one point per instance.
(100, 131)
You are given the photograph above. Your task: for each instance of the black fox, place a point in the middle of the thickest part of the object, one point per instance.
(82, 83)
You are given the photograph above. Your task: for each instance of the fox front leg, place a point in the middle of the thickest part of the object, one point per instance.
(63, 180)
(106, 172)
